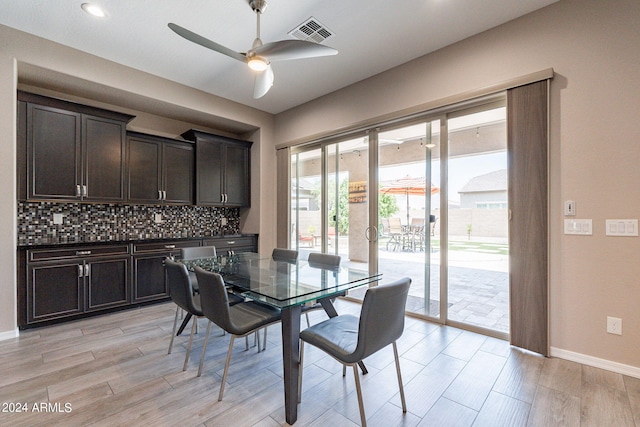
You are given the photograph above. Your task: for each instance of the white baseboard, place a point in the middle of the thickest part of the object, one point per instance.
(9, 334)
(620, 368)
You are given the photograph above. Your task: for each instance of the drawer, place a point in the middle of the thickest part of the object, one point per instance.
(231, 242)
(164, 246)
(77, 252)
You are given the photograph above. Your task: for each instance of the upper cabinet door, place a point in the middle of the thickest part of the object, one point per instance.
(144, 177)
(53, 153)
(103, 143)
(209, 165)
(178, 172)
(236, 177)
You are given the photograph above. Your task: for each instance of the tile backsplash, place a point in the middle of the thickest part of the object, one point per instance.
(53, 223)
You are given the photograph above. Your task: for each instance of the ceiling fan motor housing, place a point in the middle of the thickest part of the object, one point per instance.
(258, 6)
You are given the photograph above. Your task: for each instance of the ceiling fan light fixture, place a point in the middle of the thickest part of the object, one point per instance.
(258, 63)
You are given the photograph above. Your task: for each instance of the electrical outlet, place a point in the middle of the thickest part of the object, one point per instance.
(157, 218)
(614, 325)
(223, 221)
(58, 218)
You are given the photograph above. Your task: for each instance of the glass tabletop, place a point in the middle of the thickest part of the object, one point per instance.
(282, 283)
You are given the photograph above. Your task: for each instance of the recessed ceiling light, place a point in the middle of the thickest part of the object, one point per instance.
(94, 10)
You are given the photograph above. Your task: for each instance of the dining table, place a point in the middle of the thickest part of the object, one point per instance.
(288, 286)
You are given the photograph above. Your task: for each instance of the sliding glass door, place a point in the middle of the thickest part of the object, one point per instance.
(478, 219)
(408, 211)
(329, 201)
(424, 198)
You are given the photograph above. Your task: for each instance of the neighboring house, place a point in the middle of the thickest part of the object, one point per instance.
(488, 191)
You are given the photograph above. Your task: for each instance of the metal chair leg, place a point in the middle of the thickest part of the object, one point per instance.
(173, 333)
(226, 368)
(307, 316)
(363, 418)
(395, 354)
(204, 348)
(193, 330)
(264, 345)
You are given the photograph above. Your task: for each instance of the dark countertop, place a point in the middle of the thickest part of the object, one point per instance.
(114, 240)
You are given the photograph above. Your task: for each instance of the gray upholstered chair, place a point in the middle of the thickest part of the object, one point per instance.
(196, 252)
(324, 261)
(239, 320)
(181, 292)
(381, 323)
(286, 255)
(327, 261)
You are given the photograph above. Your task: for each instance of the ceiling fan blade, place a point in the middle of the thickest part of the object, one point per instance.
(284, 50)
(202, 41)
(264, 81)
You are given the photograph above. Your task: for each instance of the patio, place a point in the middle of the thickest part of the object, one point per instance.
(478, 279)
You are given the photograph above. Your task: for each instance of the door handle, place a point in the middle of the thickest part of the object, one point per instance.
(367, 233)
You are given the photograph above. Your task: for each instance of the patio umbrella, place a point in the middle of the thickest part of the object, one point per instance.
(408, 186)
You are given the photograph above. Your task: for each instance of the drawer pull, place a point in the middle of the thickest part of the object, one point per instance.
(233, 242)
(169, 246)
(81, 253)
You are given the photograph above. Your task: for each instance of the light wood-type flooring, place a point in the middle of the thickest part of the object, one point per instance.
(114, 370)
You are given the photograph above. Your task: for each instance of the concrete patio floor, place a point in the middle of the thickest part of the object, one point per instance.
(478, 281)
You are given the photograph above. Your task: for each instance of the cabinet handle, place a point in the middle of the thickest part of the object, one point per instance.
(169, 246)
(159, 194)
(87, 270)
(164, 194)
(78, 191)
(226, 198)
(81, 253)
(80, 270)
(85, 191)
(221, 197)
(233, 242)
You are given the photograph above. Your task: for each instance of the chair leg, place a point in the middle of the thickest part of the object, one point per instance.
(300, 371)
(175, 325)
(395, 354)
(193, 331)
(344, 370)
(307, 316)
(226, 368)
(363, 418)
(204, 348)
(264, 345)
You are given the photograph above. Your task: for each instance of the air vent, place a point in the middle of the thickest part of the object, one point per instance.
(312, 31)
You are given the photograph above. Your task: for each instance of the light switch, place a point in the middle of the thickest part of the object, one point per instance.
(621, 227)
(578, 226)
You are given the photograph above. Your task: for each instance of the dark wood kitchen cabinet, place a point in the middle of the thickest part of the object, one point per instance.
(148, 268)
(159, 170)
(222, 169)
(63, 283)
(70, 151)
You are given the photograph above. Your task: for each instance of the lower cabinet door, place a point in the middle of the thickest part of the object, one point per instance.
(107, 283)
(148, 271)
(54, 291)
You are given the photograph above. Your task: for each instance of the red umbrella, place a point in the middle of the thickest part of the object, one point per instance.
(408, 186)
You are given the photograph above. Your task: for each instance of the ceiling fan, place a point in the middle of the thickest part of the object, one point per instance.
(260, 56)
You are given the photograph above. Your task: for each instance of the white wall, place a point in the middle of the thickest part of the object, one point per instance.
(130, 85)
(594, 49)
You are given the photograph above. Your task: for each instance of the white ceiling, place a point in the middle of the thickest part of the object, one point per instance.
(371, 36)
